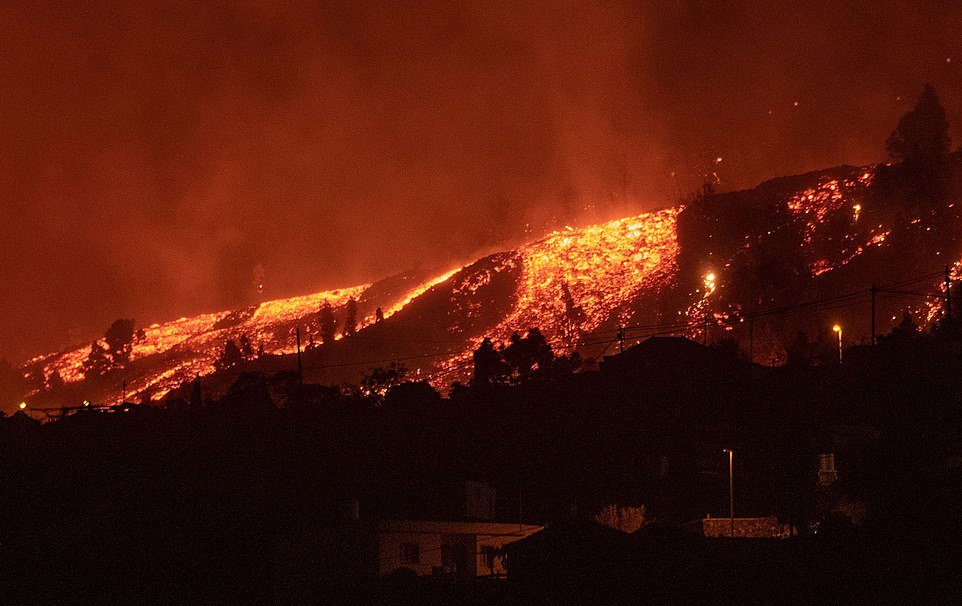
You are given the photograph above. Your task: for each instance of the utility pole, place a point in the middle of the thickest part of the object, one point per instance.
(837, 329)
(948, 295)
(874, 291)
(123, 391)
(621, 339)
(521, 469)
(731, 494)
(751, 339)
(300, 369)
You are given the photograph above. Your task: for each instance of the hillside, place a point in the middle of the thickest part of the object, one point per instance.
(700, 269)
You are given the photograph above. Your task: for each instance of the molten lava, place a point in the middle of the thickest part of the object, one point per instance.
(577, 285)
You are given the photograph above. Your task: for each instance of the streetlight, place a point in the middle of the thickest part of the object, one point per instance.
(731, 494)
(838, 330)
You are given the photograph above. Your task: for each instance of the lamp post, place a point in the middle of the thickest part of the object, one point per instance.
(838, 330)
(731, 494)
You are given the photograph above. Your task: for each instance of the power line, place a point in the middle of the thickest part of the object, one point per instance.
(638, 331)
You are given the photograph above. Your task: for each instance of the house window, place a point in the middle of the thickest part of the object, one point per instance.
(410, 553)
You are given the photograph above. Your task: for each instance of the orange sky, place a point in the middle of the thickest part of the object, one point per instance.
(153, 153)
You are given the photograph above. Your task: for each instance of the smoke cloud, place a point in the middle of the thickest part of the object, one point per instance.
(152, 154)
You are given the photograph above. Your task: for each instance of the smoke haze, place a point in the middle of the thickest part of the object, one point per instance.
(153, 154)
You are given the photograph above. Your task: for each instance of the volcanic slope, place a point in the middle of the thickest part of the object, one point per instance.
(697, 269)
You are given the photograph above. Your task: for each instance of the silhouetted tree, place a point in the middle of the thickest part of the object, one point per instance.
(231, 356)
(379, 380)
(922, 134)
(488, 365)
(350, 317)
(378, 315)
(327, 322)
(54, 381)
(120, 340)
(246, 347)
(97, 363)
(906, 330)
(525, 355)
(574, 314)
(513, 353)
(196, 399)
(539, 349)
(565, 365)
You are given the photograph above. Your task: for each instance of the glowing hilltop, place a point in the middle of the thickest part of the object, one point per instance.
(578, 285)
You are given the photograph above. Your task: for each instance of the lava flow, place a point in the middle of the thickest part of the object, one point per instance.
(576, 285)
(574, 280)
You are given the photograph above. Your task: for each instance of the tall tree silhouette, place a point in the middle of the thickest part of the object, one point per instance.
(922, 134)
(574, 314)
(920, 182)
(120, 340)
(528, 354)
(231, 356)
(488, 365)
(97, 362)
(327, 322)
(350, 317)
(54, 381)
(246, 347)
(196, 398)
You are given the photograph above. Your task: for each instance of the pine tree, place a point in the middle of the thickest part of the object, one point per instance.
(488, 365)
(196, 399)
(97, 363)
(922, 135)
(120, 339)
(230, 357)
(574, 314)
(246, 348)
(54, 381)
(350, 317)
(327, 322)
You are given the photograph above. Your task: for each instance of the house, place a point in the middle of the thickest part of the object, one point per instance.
(455, 548)
(570, 561)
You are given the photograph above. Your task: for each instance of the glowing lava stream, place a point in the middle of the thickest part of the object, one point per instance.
(195, 342)
(199, 339)
(601, 266)
(569, 284)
